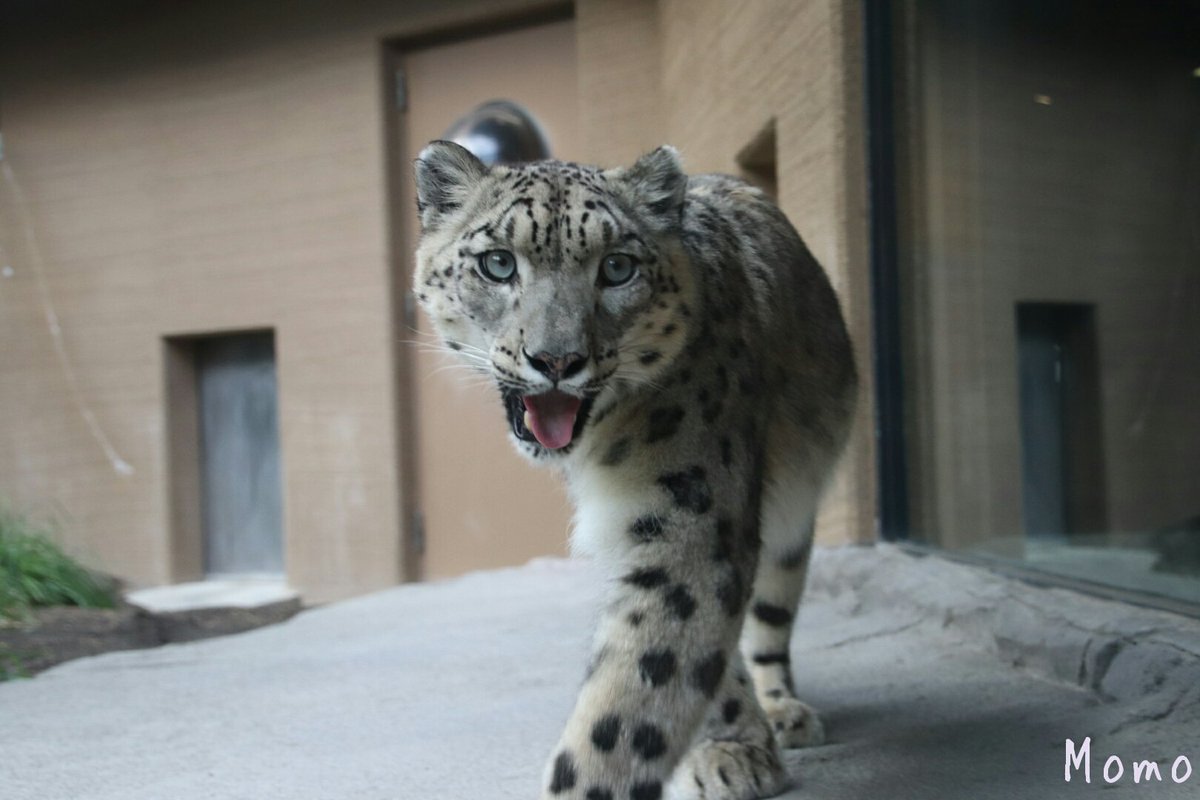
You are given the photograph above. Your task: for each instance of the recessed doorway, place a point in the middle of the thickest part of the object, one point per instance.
(227, 502)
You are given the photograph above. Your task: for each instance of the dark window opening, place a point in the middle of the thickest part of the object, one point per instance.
(758, 158)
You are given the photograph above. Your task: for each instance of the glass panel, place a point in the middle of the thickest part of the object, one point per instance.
(1049, 204)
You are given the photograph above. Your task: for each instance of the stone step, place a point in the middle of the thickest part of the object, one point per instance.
(145, 618)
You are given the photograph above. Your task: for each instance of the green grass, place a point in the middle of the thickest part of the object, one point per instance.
(35, 572)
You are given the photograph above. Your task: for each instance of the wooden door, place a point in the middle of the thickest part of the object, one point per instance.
(480, 504)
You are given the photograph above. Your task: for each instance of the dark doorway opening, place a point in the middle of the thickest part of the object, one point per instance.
(1062, 456)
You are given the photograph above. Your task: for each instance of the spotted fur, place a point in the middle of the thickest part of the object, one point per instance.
(719, 385)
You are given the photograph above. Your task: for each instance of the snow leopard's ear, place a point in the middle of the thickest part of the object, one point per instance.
(446, 172)
(658, 185)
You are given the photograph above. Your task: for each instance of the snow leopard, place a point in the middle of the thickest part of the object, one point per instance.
(668, 344)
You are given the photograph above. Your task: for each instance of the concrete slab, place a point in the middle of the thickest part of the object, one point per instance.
(186, 612)
(233, 592)
(936, 681)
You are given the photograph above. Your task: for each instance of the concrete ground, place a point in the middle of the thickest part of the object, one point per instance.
(936, 681)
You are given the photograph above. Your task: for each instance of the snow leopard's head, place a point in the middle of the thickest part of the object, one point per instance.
(566, 283)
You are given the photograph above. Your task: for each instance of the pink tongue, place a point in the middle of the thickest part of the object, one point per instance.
(552, 417)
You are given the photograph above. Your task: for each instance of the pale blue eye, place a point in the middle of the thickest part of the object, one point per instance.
(499, 265)
(616, 269)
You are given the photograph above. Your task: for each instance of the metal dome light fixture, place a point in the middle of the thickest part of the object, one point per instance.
(500, 132)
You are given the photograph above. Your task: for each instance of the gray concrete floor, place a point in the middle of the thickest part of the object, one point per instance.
(936, 681)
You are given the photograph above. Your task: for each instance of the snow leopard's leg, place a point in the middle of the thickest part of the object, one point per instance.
(789, 509)
(736, 756)
(668, 633)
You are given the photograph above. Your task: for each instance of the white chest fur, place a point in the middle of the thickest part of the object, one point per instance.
(607, 500)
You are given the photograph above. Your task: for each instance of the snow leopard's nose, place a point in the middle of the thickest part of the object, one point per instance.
(557, 367)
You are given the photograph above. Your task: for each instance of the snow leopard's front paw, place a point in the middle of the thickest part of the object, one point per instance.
(794, 723)
(729, 770)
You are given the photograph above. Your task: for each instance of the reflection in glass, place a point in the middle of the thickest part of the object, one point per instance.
(1050, 213)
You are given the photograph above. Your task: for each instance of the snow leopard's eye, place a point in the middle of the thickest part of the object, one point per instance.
(616, 269)
(498, 265)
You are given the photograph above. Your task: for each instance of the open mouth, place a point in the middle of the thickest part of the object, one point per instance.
(552, 419)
